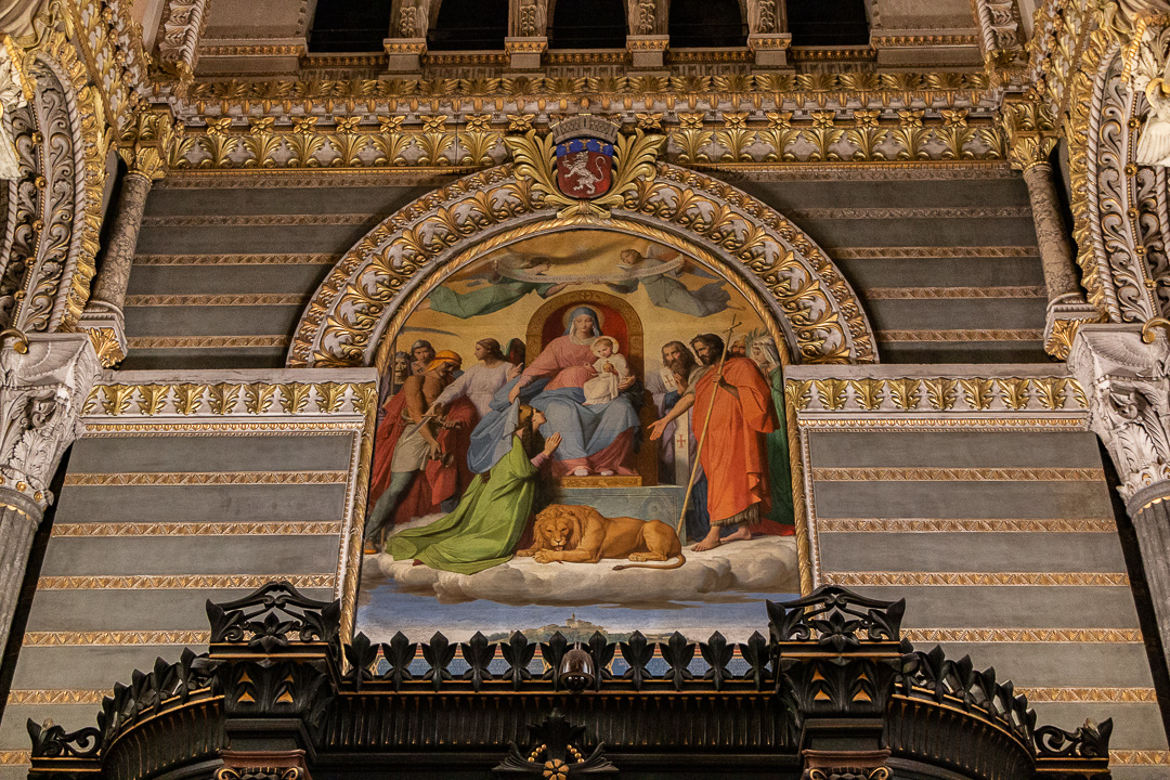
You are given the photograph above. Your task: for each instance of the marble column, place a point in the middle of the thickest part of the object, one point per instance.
(103, 318)
(1061, 278)
(45, 379)
(1125, 373)
(19, 518)
(113, 277)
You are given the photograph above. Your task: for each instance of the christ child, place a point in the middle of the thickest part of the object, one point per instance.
(612, 369)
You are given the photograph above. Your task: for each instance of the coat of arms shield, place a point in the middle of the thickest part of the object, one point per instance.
(584, 167)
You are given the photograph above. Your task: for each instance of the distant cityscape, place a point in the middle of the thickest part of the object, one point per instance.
(573, 630)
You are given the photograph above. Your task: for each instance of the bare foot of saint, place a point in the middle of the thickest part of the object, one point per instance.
(741, 534)
(708, 542)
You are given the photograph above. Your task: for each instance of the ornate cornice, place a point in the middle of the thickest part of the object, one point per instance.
(693, 138)
(1029, 130)
(777, 90)
(982, 395)
(380, 280)
(228, 399)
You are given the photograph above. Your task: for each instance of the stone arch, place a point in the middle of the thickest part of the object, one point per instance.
(1121, 209)
(386, 273)
(52, 213)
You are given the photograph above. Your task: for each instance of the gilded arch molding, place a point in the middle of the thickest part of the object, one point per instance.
(391, 267)
(1121, 210)
(52, 214)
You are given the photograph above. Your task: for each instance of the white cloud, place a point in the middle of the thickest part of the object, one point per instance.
(766, 564)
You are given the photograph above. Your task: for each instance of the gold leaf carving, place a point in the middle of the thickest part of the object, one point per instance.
(330, 396)
(798, 393)
(116, 398)
(941, 393)
(977, 392)
(1051, 391)
(868, 393)
(831, 392)
(152, 398)
(1014, 392)
(224, 397)
(258, 398)
(905, 393)
(294, 397)
(188, 398)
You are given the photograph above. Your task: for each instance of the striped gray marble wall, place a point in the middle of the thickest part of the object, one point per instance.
(947, 266)
(186, 486)
(224, 266)
(978, 496)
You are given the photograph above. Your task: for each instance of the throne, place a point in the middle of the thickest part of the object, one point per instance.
(618, 319)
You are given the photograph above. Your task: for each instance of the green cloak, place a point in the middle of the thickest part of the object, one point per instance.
(776, 449)
(486, 526)
(484, 300)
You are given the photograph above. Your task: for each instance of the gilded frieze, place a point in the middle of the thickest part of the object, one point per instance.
(717, 137)
(924, 395)
(230, 399)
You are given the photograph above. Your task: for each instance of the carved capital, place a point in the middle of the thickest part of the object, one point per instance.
(44, 381)
(1029, 131)
(106, 328)
(144, 145)
(267, 765)
(1124, 372)
(1064, 317)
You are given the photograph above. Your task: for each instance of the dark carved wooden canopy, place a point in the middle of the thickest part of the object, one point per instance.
(833, 693)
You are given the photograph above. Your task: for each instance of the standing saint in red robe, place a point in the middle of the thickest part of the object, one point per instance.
(733, 454)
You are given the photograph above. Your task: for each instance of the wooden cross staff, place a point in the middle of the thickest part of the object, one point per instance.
(706, 422)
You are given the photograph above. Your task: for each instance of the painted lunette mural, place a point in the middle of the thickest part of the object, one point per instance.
(545, 410)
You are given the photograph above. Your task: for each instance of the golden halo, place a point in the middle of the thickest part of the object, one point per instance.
(573, 308)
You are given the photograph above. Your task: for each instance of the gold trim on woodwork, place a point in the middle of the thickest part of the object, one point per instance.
(957, 335)
(931, 423)
(939, 525)
(852, 579)
(278, 528)
(241, 259)
(182, 581)
(1139, 757)
(58, 696)
(1024, 635)
(931, 252)
(206, 342)
(231, 426)
(244, 299)
(290, 477)
(932, 293)
(113, 638)
(924, 474)
(1102, 695)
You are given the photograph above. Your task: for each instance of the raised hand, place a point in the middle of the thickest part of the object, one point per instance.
(551, 443)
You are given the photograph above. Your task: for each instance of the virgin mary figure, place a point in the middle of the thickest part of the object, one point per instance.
(596, 439)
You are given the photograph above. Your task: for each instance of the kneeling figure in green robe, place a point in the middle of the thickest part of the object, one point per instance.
(486, 526)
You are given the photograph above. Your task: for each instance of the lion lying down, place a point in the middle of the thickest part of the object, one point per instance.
(580, 534)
